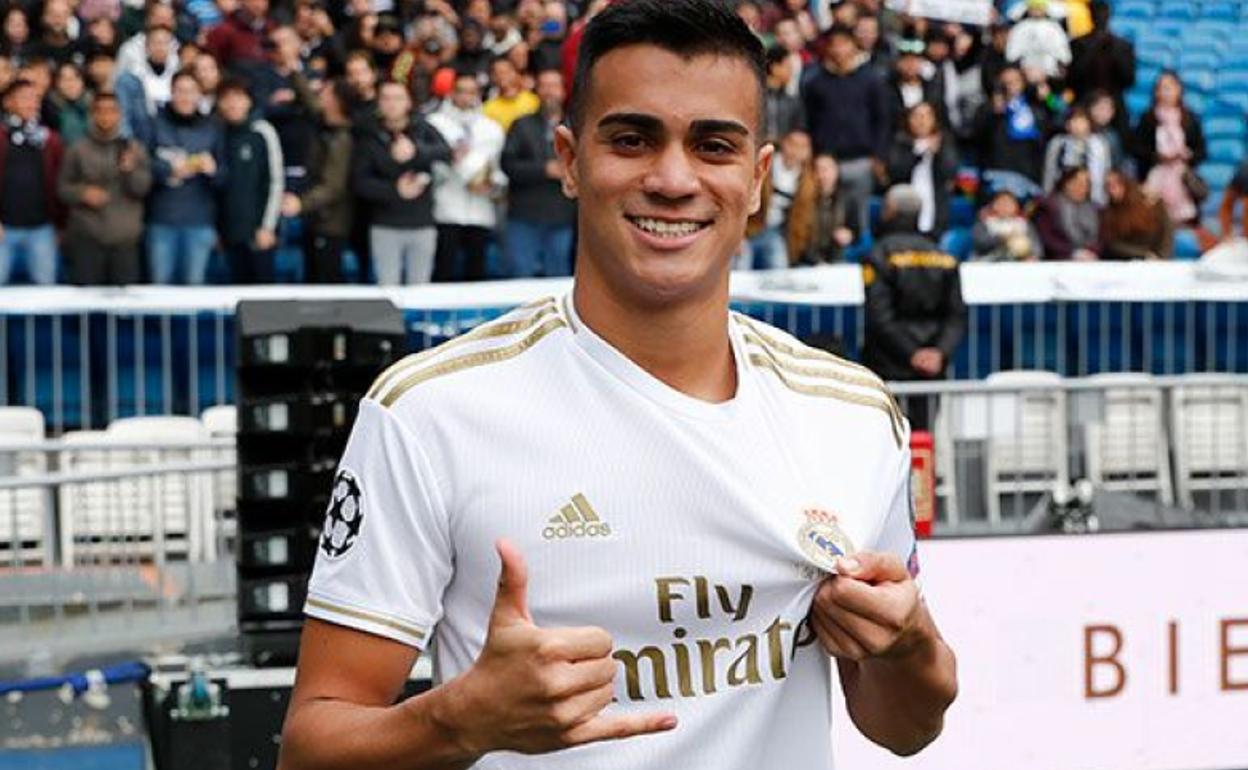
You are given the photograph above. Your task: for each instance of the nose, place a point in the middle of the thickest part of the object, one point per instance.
(673, 175)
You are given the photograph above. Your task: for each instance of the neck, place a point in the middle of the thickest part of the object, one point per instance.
(685, 345)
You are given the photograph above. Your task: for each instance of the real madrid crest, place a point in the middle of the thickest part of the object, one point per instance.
(822, 539)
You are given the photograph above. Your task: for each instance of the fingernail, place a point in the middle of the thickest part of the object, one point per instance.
(847, 564)
(668, 722)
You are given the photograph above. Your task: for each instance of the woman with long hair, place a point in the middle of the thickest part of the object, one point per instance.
(15, 40)
(1169, 145)
(922, 157)
(1135, 224)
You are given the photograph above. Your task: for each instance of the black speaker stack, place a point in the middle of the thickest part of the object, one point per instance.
(302, 368)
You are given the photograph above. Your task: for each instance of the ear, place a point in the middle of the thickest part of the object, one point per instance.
(762, 167)
(565, 148)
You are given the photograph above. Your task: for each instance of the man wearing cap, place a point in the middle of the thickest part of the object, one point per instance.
(909, 88)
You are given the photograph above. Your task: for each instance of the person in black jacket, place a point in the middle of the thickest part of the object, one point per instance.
(922, 156)
(782, 111)
(908, 88)
(391, 171)
(1013, 125)
(538, 235)
(1102, 61)
(252, 196)
(914, 310)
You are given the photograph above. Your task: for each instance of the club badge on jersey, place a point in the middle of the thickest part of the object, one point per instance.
(822, 539)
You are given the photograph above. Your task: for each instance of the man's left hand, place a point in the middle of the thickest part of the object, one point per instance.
(869, 609)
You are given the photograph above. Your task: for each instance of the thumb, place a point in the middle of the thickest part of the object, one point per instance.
(872, 567)
(511, 603)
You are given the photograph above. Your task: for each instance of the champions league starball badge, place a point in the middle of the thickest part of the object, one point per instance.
(343, 517)
(822, 539)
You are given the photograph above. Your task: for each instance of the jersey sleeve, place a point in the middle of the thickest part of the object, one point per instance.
(896, 535)
(384, 556)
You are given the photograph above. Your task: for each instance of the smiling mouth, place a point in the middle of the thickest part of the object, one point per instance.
(664, 228)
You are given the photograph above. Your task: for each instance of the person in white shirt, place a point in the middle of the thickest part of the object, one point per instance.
(465, 190)
(1037, 42)
(626, 514)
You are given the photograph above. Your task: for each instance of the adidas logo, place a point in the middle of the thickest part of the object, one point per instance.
(576, 519)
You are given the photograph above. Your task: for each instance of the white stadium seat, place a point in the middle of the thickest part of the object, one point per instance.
(24, 513)
(1126, 446)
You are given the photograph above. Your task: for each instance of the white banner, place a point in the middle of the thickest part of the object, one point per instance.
(1110, 652)
(978, 12)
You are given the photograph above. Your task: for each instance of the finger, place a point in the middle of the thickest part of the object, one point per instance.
(575, 678)
(577, 643)
(872, 567)
(870, 637)
(582, 707)
(836, 641)
(613, 727)
(511, 604)
(887, 606)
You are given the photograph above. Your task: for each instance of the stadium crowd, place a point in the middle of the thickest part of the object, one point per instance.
(190, 141)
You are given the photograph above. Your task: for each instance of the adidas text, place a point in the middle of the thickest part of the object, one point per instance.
(562, 531)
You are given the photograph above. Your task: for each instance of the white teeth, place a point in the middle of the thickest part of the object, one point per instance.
(667, 229)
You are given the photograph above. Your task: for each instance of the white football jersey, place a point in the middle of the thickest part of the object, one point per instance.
(695, 533)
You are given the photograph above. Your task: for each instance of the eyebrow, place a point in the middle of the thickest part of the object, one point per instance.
(651, 124)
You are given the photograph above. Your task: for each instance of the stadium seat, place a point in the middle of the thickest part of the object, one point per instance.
(1198, 60)
(957, 241)
(221, 422)
(961, 212)
(1195, 101)
(1221, 108)
(1222, 126)
(1146, 75)
(1220, 11)
(1178, 9)
(1153, 60)
(1171, 28)
(1026, 432)
(1217, 175)
(1126, 445)
(1186, 244)
(1135, 9)
(1198, 81)
(1137, 103)
(1209, 422)
(1205, 40)
(24, 536)
(1232, 79)
(1226, 150)
(1239, 99)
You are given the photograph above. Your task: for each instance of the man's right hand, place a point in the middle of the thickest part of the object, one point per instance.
(537, 690)
(94, 196)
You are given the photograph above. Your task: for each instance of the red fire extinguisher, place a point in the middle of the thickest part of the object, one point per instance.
(922, 482)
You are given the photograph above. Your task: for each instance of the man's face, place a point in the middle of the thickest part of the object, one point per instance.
(360, 75)
(842, 51)
(909, 67)
(393, 103)
(207, 72)
(1012, 82)
(159, 43)
(257, 9)
(105, 116)
(503, 74)
(234, 105)
(185, 96)
(467, 93)
(867, 32)
(666, 168)
(286, 44)
(788, 36)
(550, 90)
(56, 15)
(24, 103)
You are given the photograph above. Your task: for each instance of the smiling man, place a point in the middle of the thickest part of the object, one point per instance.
(689, 514)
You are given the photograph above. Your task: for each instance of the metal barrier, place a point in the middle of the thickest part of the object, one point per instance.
(117, 548)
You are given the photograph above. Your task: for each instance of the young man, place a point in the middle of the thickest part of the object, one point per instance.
(252, 196)
(103, 181)
(538, 236)
(30, 162)
(679, 478)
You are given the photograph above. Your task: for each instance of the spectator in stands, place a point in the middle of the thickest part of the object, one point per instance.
(1104, 114)
(325, 202)
(538, 234)
(1079, 147)
(1169, 145)
(821, 226)
(101, 37)
(463, 204)
(100, 72)
(188, 167)
(16, 43)
(30, 162)
(914, 310)
(69, 103)
(251, 196)
(796, 12)
(1135, 224)
(473, 57)
(793, 43)
(239, 41)
(1236, 192)
(856, 137)
(1102, 62)
(391, 175)
(56, 41)
(1068, 221)
(874, 50)
(315, 30)
(908, 87)
(133, 51)
(276, 98)
(207, 73)
(362, 77)
(103, 181)
(1012, 128)
(1039, 43)
(767, 230)
(1002, 233)
(782, 110)
(510, 100)
(145, 88)
(923, 158)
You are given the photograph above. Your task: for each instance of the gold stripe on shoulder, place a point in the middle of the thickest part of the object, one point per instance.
(484, 331)
(825, 391)
(472, 360)
(806, 352)
(380, 620)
